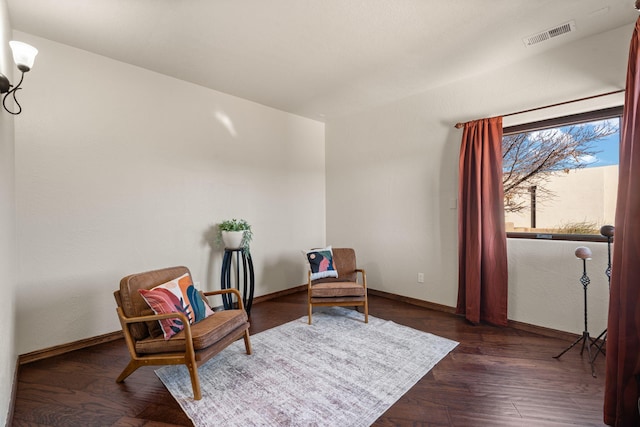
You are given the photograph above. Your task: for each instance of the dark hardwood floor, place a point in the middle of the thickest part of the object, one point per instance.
(495, 377)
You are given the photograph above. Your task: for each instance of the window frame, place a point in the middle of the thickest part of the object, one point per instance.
(572, 119)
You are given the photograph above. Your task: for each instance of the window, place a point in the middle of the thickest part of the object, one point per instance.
(560, 176)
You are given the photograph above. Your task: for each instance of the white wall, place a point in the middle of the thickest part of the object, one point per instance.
(7, 229)
(392, 181)
(545, 287)
(121, 170)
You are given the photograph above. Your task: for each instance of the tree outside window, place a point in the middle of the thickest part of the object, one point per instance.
(560, 176)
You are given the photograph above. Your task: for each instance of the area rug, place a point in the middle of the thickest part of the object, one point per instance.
(338, 371)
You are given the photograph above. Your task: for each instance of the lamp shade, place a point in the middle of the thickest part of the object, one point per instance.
(23, 55)
(583, 252)
(607, 230)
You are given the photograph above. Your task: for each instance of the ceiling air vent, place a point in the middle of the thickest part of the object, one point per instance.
(549, 34)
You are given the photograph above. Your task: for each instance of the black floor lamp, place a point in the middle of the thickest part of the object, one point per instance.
(607, 231)
(584, 254)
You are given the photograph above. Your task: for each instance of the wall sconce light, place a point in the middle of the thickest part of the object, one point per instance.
(23, 56)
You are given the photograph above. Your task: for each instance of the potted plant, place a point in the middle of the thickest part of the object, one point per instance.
(235, 234)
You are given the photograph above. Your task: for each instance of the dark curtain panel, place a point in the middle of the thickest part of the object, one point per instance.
(623, 331)
(482, 243)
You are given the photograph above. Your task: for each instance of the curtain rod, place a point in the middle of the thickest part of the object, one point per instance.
(459, 125)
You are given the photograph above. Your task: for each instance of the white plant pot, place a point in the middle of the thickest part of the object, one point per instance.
(232, 239)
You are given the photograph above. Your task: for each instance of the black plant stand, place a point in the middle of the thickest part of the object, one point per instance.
(584, 254)
(246, 276)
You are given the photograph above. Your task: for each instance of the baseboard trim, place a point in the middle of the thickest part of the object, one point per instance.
(413, 301)
(521, 326)
(66, 348)
(112, 336)
(541, 330)
(295, 290)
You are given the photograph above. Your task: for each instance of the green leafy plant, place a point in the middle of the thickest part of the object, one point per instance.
(237, 225)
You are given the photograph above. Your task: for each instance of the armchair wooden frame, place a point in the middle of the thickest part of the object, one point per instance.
(190, 357)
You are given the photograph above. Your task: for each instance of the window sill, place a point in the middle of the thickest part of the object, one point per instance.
(554, 236)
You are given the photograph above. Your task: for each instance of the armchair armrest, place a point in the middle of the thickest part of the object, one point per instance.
(151, 317)
(364, 276)
(124, 321)
(227, 291)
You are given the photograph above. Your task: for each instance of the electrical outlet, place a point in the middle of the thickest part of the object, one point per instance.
(420, 277)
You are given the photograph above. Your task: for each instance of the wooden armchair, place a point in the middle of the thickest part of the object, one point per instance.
(345, 290)
(192, 346)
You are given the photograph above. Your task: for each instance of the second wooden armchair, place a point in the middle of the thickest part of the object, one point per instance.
(344, 290)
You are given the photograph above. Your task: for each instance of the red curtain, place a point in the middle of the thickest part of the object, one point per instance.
(623, 330)
(482, 243)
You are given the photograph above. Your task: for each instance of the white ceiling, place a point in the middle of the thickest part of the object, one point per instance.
(315, 58)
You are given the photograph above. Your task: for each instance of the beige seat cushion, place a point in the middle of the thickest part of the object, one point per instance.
(337, 289)
(205, 333)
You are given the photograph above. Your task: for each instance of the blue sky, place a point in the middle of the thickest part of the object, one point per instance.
(609, 148)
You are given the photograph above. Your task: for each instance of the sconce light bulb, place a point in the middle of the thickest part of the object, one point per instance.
(24, 55)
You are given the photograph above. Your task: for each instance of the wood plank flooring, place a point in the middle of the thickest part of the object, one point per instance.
(495, 377)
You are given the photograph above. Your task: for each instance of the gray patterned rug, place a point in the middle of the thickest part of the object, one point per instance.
(337, 372)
